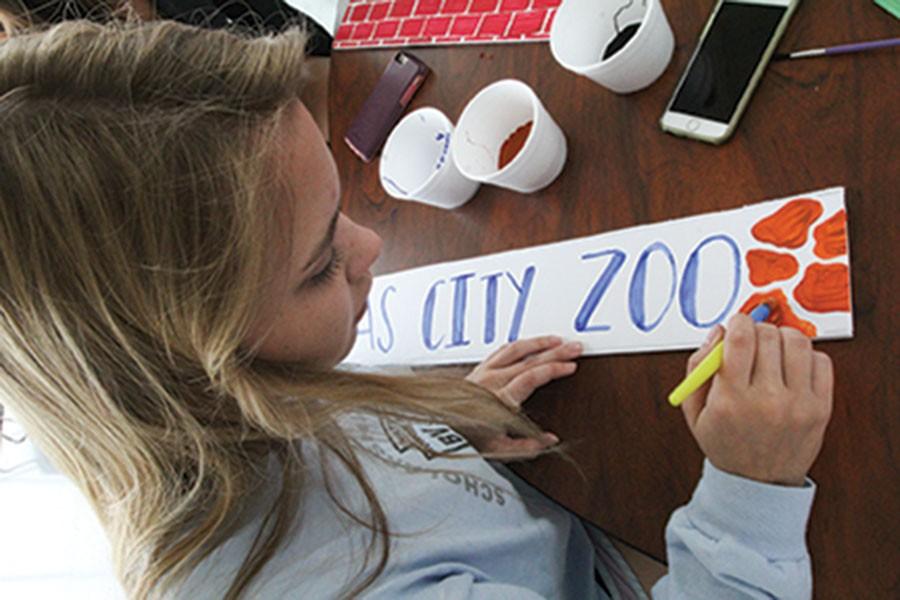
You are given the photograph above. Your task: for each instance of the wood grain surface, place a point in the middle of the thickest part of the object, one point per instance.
(811, 124)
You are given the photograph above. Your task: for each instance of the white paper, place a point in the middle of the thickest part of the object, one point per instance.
(326, 13)
(643, 289)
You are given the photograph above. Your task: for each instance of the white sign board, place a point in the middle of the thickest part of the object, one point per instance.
(643, 289)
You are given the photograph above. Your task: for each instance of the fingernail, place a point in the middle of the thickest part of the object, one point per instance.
(712, 335)
(551, 438)
(575, 346)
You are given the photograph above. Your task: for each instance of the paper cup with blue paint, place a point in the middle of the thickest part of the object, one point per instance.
(506, 137)
(624, 45)
(416, 164)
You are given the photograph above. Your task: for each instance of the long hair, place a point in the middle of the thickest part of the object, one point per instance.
(18, 15)
(136, 185)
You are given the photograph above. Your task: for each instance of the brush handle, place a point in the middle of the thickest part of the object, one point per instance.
(846, 48)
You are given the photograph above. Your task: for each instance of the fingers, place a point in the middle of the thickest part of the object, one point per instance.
(822, 376)
(712, 338)
(694, 404)
(767, 366)
(516, 351)
(519, 446)
(740, 349)
(562, 353)
(523, 385)
(798, 359)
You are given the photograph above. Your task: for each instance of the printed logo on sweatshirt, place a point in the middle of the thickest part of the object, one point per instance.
(430, 439)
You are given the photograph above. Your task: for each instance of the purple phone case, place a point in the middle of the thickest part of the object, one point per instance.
(384, 106)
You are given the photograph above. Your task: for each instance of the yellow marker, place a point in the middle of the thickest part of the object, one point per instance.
(710, 364)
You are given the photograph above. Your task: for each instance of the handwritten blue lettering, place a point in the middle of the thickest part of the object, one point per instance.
(599, 289)
(490, 306)
(385, 348)
(636, 291)
(460, 295)
(524, 290)
(428, 316)
(687, 294)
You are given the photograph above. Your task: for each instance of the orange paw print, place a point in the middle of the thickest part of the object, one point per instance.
(823, 287)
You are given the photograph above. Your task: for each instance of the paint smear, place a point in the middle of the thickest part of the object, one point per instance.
(782, 314)
(767, 266)
(788, 227)
(831, 236)
(824, 288)
(513, 144)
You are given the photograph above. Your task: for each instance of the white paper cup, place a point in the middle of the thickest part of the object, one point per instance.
(582, 30)
(416, 165)
(487, 122)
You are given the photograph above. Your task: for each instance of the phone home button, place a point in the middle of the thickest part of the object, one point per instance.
(692, 125)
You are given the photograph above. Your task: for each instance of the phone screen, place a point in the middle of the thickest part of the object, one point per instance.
(728, 56)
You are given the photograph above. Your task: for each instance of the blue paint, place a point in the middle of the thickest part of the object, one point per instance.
(524, 290)
(460, 295)
(599, 289)
(385, 348)
(637, 289)
(391, 183)
(760, 313)
(687, 294)
(442, 158)
(428, 316)
(490, 306)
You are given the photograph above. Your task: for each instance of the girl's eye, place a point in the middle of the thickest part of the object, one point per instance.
(325, 275)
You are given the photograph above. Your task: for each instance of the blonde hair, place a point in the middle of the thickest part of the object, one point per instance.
(18, 15)
(135, 187)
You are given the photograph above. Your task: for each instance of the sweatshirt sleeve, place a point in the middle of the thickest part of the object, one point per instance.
(739, 538)
(437, 584)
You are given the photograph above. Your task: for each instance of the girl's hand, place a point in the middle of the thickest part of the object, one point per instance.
(513, 372)
(763, 416)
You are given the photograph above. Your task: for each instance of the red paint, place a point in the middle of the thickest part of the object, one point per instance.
(454, 7)
(478, 21)
(464, 25)
(438, 26)
(513, 144)
(402, 8)
(412, 27)
(788, 227)
(495, 24)
(527, 22)
(428, 7)
(359, 13)
(387, 29)
(363, 31)
(831, 236)
(481, 6)
(767, 266)
(379, 11)
(824, 288)
(782, 314)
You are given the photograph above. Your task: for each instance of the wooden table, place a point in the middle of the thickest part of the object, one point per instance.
(812, 124)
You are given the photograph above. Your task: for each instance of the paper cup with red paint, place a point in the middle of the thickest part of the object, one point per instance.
(624, 45)
(416, 165)
(507, 138)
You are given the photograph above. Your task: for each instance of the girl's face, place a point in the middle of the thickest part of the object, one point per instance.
(320, 272)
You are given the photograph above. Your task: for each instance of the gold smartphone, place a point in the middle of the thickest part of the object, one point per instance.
(734, 49)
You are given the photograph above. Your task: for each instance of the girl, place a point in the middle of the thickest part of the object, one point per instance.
(177, 287)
